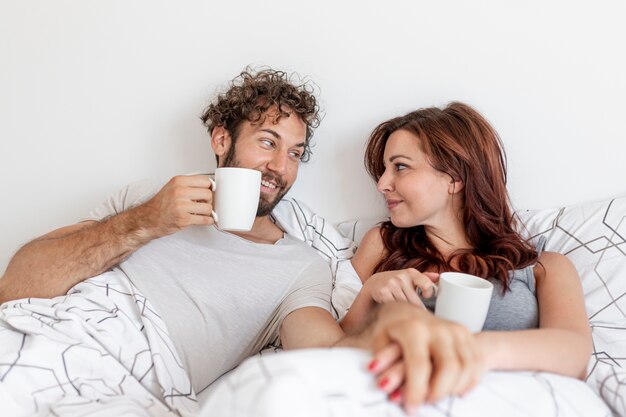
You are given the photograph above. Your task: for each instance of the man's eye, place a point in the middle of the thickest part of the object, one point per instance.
(296, 155)
(268, 143)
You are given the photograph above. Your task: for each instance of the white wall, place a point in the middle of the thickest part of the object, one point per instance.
(95, 94)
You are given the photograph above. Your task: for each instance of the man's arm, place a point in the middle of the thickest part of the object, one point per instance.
(309, 327)
(417, 357)
(54, 263)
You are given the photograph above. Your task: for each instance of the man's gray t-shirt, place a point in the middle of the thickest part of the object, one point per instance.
(222, 297)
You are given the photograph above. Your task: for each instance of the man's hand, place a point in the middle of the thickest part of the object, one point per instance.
(182, 202)
(52, 264)
(420, 358)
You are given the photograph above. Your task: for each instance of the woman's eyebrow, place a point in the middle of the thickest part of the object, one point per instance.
(400, 156)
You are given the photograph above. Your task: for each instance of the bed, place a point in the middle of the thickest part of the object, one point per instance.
(333, 382)
(103, 349)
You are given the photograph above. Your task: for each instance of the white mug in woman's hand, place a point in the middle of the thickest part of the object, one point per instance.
(236, 194)
(463, 298)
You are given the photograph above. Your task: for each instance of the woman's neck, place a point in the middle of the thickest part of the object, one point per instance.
(449, 238)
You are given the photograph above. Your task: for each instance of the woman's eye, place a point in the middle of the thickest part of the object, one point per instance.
(400, 167)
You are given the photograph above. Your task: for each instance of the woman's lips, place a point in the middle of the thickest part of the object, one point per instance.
(393, 203)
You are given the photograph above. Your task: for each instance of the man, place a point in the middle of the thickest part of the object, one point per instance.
(223, 296)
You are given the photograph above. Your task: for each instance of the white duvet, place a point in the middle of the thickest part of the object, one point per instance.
(103, 350)
(100, 350)
(335, 383)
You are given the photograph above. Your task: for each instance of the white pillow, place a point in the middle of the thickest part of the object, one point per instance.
(356, 229)
(300, 221)
(593, 237)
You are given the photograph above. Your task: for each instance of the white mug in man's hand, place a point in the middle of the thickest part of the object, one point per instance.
(236, 194)
(463, 298)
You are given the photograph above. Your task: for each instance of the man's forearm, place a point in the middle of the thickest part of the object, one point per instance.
(361, 334)
(51, 265)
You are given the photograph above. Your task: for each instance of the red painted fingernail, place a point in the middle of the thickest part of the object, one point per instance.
(373, 365)
(395, 396)
(383, 383)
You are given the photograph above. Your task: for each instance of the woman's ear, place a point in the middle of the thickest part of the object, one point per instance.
(220, 141)
(455, 186)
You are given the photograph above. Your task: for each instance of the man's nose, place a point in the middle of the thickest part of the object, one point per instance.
(278, 163)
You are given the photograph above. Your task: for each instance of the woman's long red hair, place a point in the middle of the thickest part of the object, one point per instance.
(457, 140)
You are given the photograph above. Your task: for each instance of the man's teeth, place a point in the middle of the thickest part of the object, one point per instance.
(268, 184)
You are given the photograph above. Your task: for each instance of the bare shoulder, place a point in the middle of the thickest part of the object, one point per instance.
(551, 264)
(372, 244)
(560, 295)
(370, 252)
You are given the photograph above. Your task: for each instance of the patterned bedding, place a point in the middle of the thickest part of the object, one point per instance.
(103, 350)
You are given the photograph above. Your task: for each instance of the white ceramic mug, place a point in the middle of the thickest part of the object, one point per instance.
(236, 194)
(463, 298)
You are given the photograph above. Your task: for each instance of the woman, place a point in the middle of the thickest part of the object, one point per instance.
(443, 175)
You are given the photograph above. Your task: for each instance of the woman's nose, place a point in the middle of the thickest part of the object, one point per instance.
(384, 184)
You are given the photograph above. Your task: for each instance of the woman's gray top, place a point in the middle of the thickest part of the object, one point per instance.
(517, 309)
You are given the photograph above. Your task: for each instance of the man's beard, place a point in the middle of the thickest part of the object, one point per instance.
(265, 206)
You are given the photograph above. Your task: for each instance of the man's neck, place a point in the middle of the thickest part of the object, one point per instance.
(264, 230)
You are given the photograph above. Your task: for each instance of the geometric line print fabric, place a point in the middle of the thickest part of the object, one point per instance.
(298, 220)
(593, 237)
(99, 350)
(103, 348)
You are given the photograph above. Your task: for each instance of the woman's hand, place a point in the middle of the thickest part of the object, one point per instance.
(420, 358)
(386, 287)
(401, 285)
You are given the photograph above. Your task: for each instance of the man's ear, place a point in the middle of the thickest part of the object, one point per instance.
(220, 141)
(455, 186)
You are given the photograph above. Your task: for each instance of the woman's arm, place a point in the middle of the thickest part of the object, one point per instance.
(370, 252)
(383, 287)
(368, 255)
(562, 344)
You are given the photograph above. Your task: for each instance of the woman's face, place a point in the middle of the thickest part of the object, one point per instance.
(416, 193)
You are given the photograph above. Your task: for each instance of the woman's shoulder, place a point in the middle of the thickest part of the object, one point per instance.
(372, 239)
(554, 259)
(370, 251)
(372, 244)
(550, 263)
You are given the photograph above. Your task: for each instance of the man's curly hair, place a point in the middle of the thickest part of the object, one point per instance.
(251, 94)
